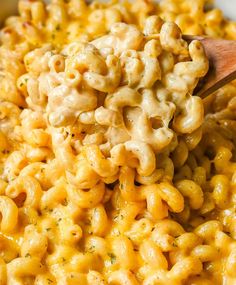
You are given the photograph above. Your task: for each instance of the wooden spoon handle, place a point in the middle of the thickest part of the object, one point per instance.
(222, 58)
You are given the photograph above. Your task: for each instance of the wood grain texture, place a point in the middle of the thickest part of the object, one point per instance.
(222, 58)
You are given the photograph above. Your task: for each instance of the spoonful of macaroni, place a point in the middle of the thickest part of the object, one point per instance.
(222, 58)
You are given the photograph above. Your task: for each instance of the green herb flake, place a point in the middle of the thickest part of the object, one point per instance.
(112, 257)
(28, 255)
(91, 249)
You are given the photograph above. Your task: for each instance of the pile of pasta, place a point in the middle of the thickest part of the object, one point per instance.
(111, 171)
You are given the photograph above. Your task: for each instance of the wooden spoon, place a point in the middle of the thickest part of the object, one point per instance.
(222, 58)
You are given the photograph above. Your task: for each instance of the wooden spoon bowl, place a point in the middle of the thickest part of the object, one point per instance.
(222, 58)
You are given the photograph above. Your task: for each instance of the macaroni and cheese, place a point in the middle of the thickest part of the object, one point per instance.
(111, 171)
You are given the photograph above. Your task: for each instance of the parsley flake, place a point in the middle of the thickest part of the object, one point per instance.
(112, 257)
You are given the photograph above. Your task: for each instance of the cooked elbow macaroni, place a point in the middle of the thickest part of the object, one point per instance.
(110, 173)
